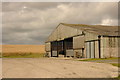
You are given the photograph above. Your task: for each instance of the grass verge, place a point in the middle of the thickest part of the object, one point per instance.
(94, 59)
(117, 77)
(23, 55)
(115, 64)
(99, 60)
(0, 55)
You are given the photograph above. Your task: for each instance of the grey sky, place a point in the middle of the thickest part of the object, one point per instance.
(32, 22)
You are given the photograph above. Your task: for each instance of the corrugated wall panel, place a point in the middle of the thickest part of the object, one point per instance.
(54, 53)
(87, 50)
(66, 32)
(90, 36)
(63, 32)
(48, 54)
(104, 47)
(78, 42)
(53, 36)
(92, 49)
(96, 49)
(78, 53)
(47, 46)
(69, 53)
(109, 47)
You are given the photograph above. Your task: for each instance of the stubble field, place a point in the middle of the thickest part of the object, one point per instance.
(22, 50)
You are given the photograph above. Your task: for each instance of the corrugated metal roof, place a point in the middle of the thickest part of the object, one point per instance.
(96, 29)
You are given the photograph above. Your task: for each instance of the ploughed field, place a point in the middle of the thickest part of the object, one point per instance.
(22, 50)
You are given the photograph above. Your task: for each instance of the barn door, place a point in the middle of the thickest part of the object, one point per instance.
(87, 50)
(90, 49)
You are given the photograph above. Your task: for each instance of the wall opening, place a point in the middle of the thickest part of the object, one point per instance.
(68, 43)
(62, 47)
(68, 47)
(54, 49)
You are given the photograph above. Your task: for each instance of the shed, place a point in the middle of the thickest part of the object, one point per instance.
(83, 41)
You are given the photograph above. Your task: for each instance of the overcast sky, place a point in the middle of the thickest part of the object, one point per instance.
(32, 22)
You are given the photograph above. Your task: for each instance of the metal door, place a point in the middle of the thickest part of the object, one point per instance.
(92, 49)
(88, 50)
(96, 49)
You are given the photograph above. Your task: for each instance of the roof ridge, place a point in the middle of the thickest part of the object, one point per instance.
(84, 25)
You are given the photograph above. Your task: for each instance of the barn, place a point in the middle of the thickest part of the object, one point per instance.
(83, 41)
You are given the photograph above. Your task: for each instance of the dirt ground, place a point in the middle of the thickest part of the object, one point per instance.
(55, 68)
(0, 68)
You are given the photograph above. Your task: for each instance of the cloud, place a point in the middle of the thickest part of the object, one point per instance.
(32, 23)
(16, 6)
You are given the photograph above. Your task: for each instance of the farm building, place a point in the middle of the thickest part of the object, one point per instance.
(83, 41)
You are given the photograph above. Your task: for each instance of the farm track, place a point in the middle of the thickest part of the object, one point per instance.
(55, 68)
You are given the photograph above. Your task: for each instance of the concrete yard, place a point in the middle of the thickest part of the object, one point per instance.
(55, 68)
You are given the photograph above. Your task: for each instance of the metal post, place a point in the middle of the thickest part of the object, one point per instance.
(99, 43)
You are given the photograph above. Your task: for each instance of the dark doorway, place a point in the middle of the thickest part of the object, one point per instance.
(68, 43)
(54, 49)
(68, 47)
(60, 48)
